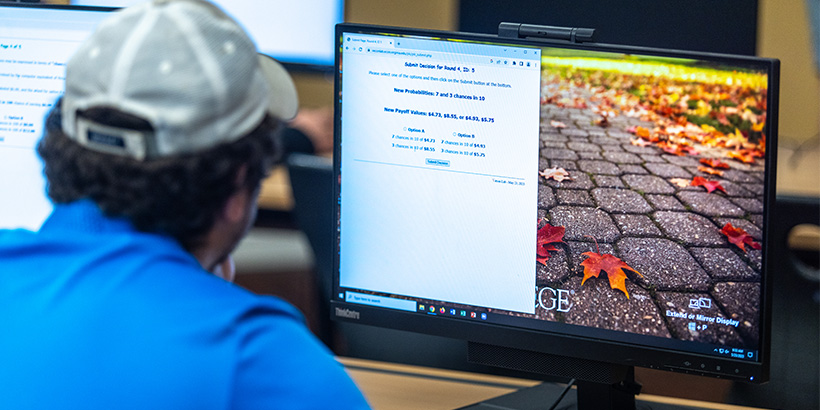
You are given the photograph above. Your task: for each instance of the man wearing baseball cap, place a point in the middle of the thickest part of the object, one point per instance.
(154, 156)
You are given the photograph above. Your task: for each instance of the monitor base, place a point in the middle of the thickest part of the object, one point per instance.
(542, 396)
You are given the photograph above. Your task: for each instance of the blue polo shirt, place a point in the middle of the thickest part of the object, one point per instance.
(95, 315)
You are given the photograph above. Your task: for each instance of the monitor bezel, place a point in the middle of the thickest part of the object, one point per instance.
(573, 346)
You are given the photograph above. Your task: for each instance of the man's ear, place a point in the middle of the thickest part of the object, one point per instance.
(237, 204)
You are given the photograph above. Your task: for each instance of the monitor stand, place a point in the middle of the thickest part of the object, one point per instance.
(600, 386)
(542, 396)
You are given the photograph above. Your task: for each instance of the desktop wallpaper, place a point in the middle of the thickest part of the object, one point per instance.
(650, 196)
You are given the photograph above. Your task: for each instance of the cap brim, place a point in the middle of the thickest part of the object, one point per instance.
(283, 100)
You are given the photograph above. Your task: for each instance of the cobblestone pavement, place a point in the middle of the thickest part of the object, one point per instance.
(621, 195)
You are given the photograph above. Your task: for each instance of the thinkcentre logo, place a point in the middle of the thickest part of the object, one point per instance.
(347, 313)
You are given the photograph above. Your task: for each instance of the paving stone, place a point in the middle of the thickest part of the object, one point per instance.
(620, 200)
(723, 264)
(681, 161)
(542, 213)
(595, 304)
(574, 132)
(555, 269)
(632, 169)
(757, 219)
(607, 181)
(620, 135)
(580, 180)
(543, 163)
(553, 137)
(667, 170)
(583, 146)
(733, 189)
(636, 225)
(558, 153)
(581, 222)
(546, 199)
(635, 149)
(665, 203)
(598, 167)
(709, 204)
(589, 155)
(689, 228)
(755, 188)
(749, 204)
(740, 176)
(574, 197)
(664, 264)
(580, 117)
(605, 141)
(553, 145)
(649, 184)
(747, 226)
(622, 157)
(563, 163)
(692, 329)
(741, 302)
(612, 148)
(599, 132)
(755, 258)
(653, 158)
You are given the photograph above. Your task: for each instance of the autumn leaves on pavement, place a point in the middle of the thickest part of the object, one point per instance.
(728, 114)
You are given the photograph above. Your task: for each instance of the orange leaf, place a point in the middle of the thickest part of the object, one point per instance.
(558, 174)
(558, 124)
(745, 157)
(641, 132)
(595, 263)
(714, 163)
(709, 185)
(547, 236)
(739, 237)
(640, 142)
(710, 171)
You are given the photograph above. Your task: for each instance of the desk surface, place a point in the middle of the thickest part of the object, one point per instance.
(389, 386)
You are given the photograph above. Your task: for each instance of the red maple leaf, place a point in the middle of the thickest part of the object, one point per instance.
(709, 185)
(547, 236)
(714, 163)
(614, 268)
(739, 237)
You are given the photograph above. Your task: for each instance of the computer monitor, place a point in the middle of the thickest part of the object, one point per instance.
(297, 33)
(568, 208)
(35, 43)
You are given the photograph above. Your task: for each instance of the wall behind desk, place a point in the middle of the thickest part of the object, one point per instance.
(783, 32)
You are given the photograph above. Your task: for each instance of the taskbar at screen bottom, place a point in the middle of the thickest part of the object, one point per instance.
(698, 323)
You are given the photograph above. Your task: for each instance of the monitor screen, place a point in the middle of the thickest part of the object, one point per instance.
(35, 43)
(590, 201)
(298, 33)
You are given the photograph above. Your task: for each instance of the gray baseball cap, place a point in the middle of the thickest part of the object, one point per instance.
(186, 68)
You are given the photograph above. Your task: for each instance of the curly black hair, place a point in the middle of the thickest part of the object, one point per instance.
(179, 196)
